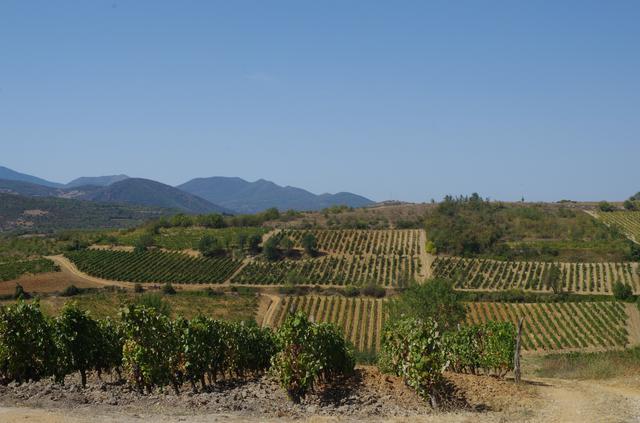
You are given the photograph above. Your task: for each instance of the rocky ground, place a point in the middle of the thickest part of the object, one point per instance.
(368, 395)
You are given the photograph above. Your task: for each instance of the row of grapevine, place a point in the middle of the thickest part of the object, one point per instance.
(359, 318)
(333, 270)
(627, 221)
(15, 268)
(495, 274)
(402, 242)
(560, 326)
(153, 266)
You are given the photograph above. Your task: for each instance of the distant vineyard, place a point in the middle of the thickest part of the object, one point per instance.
(359, 318)
(495, 274)
(153, 266)
(15, 268)
(555, 326)
(188, 238)
(359, 257)
(333, 270)
(627, 221)
(399, 242)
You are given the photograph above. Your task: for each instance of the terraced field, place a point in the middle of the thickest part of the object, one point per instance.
(360, 318)
(627, 221)
(383, 257)
(561, 326)
(484, 274)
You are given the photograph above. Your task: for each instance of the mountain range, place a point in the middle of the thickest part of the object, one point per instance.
(227, 195)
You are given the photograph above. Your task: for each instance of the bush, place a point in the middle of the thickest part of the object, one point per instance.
(372, 290)
(351, 291)
(20, 294)
(622, 291)
(412, 349)
(310, 244)
(606, 206)
(434, 300)
(137, 288)
(151, 349)
(309, 352)
(77, 338)
(210, 246)
(27, 349)
(168, 289)
(70, 291)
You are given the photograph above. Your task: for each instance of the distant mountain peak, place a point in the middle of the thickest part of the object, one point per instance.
(251, 197)
(12, 175)
(101, 181)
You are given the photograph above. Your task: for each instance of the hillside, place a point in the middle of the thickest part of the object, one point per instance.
(12, 175)
(101, 181)
(146, 192)
(252, 197)
(44, 214)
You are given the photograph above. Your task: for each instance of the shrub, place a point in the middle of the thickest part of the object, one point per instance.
(137, 288)
(606, 206)
(70, 291)
(309, 243)
(20, 294)
(309, 352)
(150, 353)
(27, 350)
(622, 291)
(168, 289)
(412, 349)
(77, 337)
(372, 290)
(351, 291)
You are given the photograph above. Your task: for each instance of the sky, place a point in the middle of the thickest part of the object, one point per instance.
(403, 100)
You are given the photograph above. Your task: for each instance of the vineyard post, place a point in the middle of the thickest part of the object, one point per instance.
(516, 357)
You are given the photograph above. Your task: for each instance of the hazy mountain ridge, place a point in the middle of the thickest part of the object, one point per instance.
(101, 181)
(251, 197)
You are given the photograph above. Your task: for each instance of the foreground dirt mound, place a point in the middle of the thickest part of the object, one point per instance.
(368, 394)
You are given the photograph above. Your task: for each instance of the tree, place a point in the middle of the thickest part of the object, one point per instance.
(254, 243)
(210, 246)
(434, 300)
(270, 249)
(143, 243)
(552, 278)
(287, 246)
(622, 291)
(309, 243)
(630, 205)
(606, 206)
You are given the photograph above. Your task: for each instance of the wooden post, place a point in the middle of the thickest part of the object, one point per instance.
(516, 358)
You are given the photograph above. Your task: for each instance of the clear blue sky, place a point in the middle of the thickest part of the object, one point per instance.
(403, 100)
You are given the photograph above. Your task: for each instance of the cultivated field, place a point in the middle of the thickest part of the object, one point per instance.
(484, 274)
(359, 257)
(12, 269)
(627, 221)
(153, 266)
(561, 326)
(547, 326)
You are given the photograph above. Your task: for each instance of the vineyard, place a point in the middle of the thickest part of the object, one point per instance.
(494, 274)
(359, 318)
(153, 266)
(15, 268)
(359, 257)
(332, 270)
(400, 242)
(547, 326)
(627, 221)
(558, 326)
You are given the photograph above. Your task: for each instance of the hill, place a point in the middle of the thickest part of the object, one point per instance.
(252, 197)
(146, 192)
(12, 175)
(44, 214)
(101, 181)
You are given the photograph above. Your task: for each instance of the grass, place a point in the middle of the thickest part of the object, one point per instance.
(227, 306)
(597, 365)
